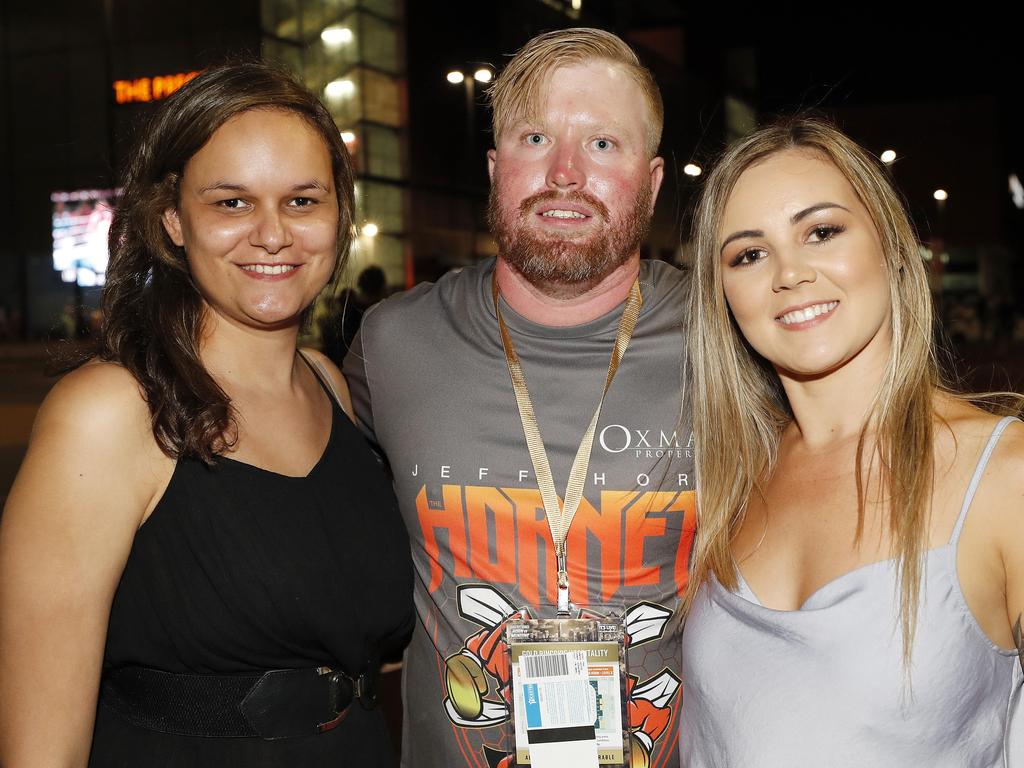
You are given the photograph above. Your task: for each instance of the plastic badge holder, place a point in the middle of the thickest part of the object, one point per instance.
(550, 659)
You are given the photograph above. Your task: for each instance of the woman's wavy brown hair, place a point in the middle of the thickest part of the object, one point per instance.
(152, 311)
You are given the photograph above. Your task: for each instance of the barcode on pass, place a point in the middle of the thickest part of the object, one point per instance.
(546, 665)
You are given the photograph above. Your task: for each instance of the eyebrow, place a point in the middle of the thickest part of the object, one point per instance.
(527, 124)
(796, 218)
(226, 186)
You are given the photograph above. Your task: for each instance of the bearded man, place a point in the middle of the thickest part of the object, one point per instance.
(439, 376)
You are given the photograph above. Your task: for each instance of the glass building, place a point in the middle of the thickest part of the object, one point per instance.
(351, 54)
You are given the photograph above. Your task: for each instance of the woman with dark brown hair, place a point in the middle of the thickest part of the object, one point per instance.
(199, 539)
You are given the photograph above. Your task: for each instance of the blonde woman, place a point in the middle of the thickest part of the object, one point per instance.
(858, 572)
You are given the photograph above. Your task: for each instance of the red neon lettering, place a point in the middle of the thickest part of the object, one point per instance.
(150, 88)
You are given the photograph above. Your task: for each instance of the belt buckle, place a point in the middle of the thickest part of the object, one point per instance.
(365, 690)
(338, 684)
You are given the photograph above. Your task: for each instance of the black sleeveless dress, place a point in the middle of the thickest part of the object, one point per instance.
(241, 570)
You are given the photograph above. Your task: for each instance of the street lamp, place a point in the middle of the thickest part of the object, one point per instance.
(691, 169)
(482, 75)
(941, 195)
(888, 156)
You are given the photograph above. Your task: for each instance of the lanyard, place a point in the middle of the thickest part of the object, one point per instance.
(559, 516)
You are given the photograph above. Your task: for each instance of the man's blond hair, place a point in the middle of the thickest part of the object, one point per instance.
(518, 90)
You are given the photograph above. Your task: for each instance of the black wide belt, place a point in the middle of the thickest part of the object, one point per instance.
(273, 705)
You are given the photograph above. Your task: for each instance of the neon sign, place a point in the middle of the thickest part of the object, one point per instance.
(144, 89)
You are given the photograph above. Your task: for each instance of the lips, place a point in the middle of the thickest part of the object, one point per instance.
(805, 313)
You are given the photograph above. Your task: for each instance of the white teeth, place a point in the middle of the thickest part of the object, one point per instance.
(558, 214)
(808, 313)
(268, 269)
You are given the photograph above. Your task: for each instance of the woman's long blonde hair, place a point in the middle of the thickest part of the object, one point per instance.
(738, 405)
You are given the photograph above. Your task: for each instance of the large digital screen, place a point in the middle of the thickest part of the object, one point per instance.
(81, 221)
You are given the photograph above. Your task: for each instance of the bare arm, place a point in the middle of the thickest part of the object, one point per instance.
(91, 475)
(1008, 484)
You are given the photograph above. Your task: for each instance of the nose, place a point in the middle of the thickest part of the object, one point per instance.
(270, 231)
(791, 269)
(565, 173)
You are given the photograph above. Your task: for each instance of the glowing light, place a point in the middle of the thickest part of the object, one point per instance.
(1016, 191)
(144, 89)
(888, 156)
(692, 170)
(348, 137)
(69, 275)
(483, 75)
(455, 77)
(336, 35)
(577, 4)
(337, 89)
(370, 230)
(86, 277)
(940, 195)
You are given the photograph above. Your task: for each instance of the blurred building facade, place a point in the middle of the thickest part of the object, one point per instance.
(77, 81)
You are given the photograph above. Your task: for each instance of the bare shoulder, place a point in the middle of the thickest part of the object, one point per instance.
(1005, 470)
(334, 376)
(101, 399)
(94, 423)
(965, 437)
(963, 430)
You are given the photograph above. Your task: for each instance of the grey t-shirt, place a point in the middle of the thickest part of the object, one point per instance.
(429, 381)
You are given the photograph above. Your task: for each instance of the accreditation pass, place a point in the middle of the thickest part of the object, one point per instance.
(567, 704)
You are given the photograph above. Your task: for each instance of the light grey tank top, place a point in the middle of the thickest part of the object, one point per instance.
(825, 685)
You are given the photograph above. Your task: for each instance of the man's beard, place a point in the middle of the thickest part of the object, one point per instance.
(561, 266)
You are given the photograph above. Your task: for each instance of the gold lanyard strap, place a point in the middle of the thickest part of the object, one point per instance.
(560, 517)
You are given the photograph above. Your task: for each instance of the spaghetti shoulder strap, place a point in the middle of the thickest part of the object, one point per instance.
(978, 472)
(324, 379)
